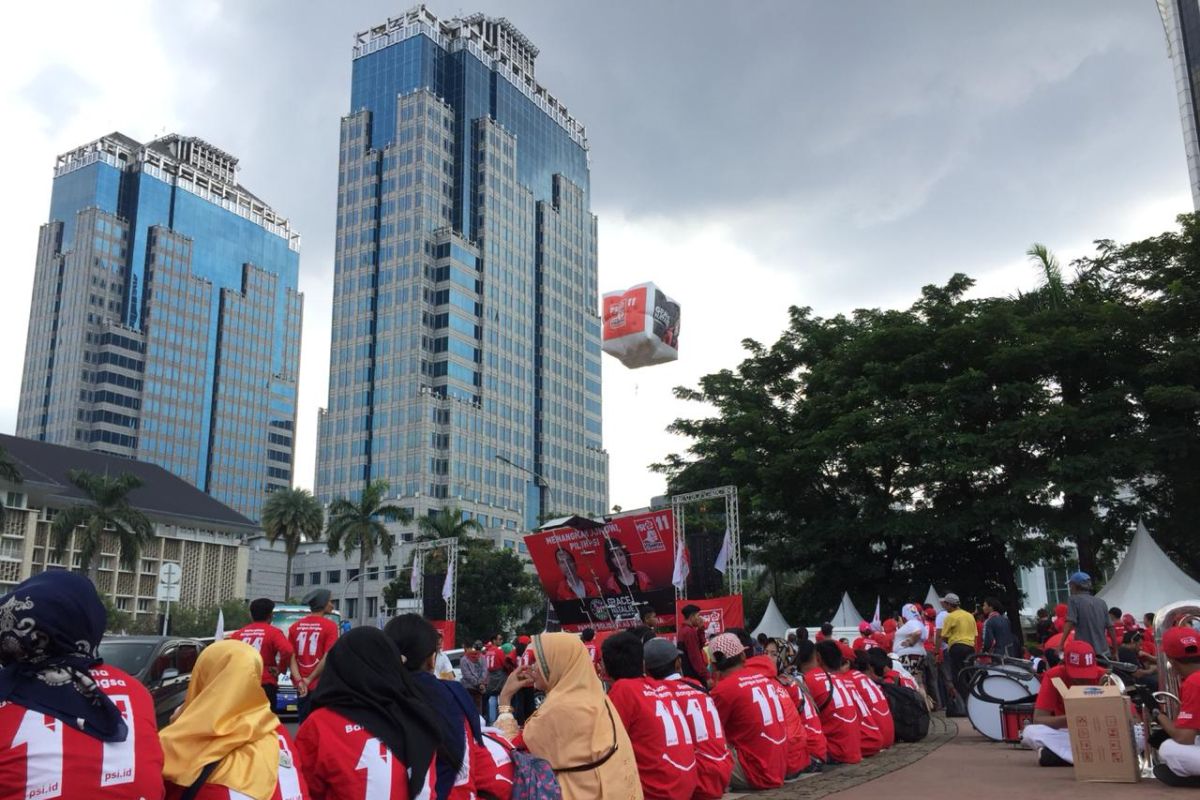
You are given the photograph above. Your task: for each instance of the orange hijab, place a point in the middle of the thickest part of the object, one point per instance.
(577, 725)
(226, 718)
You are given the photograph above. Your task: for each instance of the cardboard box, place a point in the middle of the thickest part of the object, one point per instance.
(1101, 727)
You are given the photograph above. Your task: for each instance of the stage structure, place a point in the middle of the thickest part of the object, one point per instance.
(451, 547)
(734, 569)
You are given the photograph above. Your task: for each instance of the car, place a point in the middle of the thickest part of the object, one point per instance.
(163, 664)
(283, 617)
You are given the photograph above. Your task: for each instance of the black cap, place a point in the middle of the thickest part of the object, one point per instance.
(317, 599)
(659, 653)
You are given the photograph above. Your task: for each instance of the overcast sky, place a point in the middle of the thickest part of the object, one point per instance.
(745, 156)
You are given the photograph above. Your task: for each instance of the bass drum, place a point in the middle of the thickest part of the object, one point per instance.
(989, 690)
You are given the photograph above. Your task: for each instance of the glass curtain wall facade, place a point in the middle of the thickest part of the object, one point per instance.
(165, 321)
(1181, 22)
(465, 359)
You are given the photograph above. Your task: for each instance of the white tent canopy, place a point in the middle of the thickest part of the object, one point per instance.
(932, 597)
(772, 623)
(1147, 579)
(847, 615)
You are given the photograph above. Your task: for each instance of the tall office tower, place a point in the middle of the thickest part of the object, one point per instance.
(465, 362)
(165, 321)
(1181, 21)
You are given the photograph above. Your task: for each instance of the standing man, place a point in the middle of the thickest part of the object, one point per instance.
(269, 641)
(691, 641)
(494, 656)
(958, 634)
(1087, 617)
(998, 636)
(311, 638)
(474, 673)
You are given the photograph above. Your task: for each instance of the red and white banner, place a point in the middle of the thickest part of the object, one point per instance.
(719, 613)
(446, 628)
(602, 578)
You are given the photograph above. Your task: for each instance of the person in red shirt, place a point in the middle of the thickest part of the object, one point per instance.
(70, 726)
(588, 637)
(878, 710)
(714, 764)
(493, 771)
(311, 637)
(798, 759)
(1180, 754)
(269, 641)
(837, 708)
(226, 741)
(814, 734)
(866, 638)
(690, 638)
(751, 709)
(1047, 733)
(661, 736)
(368, 725)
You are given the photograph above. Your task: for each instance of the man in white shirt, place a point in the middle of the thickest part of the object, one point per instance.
(909, 642)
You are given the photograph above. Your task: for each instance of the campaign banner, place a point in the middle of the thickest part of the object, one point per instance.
(446, 628)
(604, 577)
(719, 613)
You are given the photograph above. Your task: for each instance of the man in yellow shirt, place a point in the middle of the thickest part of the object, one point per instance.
(958, 633)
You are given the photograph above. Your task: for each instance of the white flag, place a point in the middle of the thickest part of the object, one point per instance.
(723, 556)
(414, 580)
(220, 634)
(448, 586)
(876, 623)
(682, 566)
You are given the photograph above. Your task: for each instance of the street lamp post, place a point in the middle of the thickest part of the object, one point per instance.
(543, 485)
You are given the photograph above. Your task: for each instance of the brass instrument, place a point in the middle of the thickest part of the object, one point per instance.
(1184, 612)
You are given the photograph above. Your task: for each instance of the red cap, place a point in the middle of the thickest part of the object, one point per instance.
(1079, 660)
(847, 653)
(523, 640)
(864, 628)
(1182, 641)
(889, 625)
(930, 613)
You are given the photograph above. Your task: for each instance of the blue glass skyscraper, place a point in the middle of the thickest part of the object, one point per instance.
(165, 320)
(465, 359)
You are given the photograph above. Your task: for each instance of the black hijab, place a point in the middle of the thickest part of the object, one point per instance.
(50, 627)
(365, 683)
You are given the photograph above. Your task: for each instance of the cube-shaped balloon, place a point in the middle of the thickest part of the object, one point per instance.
(641, 326)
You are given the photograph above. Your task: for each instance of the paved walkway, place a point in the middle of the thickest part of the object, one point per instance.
(961, 762)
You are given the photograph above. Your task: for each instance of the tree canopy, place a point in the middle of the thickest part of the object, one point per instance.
(961, 438)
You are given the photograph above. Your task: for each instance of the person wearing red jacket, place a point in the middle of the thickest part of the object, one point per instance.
(875, 700)
(714, 763)
(814, 734)
(661, 738)
(368, 726)
(269, 641)
(751, 709)
(840, 720)
(311, 637)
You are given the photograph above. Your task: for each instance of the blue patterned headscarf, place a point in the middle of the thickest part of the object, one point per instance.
(50, 627)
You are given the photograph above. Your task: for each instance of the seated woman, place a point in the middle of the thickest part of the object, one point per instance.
(836, 706)
(370, 733)
(457, 717)
(752, 713)
(226, 739)
(623, 578)
(70, 726)
(576, 728)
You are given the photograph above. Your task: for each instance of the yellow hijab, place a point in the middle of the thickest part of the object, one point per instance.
(226, 718)
(572, 727)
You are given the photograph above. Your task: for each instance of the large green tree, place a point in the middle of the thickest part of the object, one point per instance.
(294, 516)
(358, 526)
(105, 510)
(961, 438)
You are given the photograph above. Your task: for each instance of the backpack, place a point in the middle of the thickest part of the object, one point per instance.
(533, 778)
(909, 712)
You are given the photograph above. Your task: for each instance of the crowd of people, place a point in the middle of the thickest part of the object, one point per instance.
(381, 717)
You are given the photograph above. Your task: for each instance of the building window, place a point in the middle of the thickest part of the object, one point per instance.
(144, 604)
(372, 606)
(333, 576)
(298, 579)
(122, 603)
(351, 574)
(15, 500)
(389, 573)
(372, 573)
(249, 575)
(314, 578)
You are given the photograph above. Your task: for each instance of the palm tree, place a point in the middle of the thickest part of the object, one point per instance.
(357, 526)
(293, 515)
(447, 524)
(1050, 271)
(107, 508)
(8, 472)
